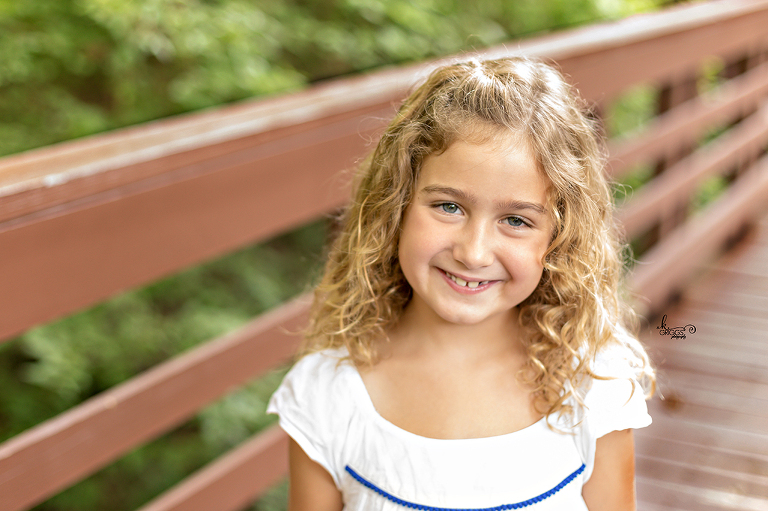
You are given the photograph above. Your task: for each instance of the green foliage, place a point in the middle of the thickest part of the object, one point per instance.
(630, 111)
(708, 191)
(636, 177)
(70, 68)
(710, 75)
(274, 500)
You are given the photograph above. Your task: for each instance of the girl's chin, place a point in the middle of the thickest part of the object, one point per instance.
(467, 318)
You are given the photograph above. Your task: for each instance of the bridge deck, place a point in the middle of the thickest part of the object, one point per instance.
(708, 446)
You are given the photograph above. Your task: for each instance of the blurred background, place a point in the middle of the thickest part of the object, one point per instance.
(72, 68)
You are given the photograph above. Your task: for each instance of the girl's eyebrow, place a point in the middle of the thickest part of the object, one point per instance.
(471, 199)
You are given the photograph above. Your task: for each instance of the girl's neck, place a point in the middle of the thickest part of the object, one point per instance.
(439, 379)
(422, 333)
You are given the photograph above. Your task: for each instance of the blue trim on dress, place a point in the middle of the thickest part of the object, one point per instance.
(517, 505)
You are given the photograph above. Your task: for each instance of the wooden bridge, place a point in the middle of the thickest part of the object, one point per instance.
(708, 446)
(85, 220)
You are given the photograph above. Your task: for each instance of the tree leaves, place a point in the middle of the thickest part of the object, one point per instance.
(70, 68)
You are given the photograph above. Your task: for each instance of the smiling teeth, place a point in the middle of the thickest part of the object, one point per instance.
(462, 282)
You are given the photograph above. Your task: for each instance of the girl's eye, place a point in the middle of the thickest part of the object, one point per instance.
(449, 207)
(515, 221)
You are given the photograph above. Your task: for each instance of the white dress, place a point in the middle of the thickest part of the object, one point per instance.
(324, 406)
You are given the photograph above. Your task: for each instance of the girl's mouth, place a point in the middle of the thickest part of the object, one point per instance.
(465, 284)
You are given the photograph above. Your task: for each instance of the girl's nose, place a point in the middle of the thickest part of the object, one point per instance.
(473, 247)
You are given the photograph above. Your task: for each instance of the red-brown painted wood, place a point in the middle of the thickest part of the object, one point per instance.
(673, 260)
(656, 47)
(708, 445)
(686, 123)
(232, 481)
(49, 457)
(674, 186)
(73, 255)
(715, 28)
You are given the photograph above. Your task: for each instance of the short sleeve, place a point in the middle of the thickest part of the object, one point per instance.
(615, 405)
(308, 407)
(612, 404)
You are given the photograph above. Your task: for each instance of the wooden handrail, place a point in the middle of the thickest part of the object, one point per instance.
(673, 188)
(233, 480)
(685, 124)
(41, 179)
(673, 260)
(59, 260)
(51, 456)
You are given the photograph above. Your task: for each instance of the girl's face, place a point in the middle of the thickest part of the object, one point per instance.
(475, 234)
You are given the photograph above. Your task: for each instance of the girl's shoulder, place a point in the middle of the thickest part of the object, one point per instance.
(317, 377)
(314, 402)
(623, 359)
(614, 397)
(327, 362)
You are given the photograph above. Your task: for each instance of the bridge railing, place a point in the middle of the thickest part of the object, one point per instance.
(85, 220)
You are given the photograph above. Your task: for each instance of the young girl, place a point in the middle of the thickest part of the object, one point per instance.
(467, 347)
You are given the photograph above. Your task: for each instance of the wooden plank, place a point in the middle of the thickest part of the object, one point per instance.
(745, 259)
(743, 306)
(731, 404)
(709, 315)
(725, 344)
(712, 478)
(745, 301)
(716, 336)
(604, 60)
(669, 263)
(43, 178)
(644, 505)
(737, 367)
(753, 265)
(684, 124)
(684, 380)
(716, 351)
(49, 167)
(674, 186)
(232, 481)
(717, 348)
(708, 445)
(685, 497)
(72, 256)
(645, 58)
(738, 464)
(716, 437)
(710, 407)
(710, 318)
(47, 458)
(727, 280)
(715, 324)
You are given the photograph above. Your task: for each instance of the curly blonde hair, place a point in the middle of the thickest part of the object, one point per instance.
(575, 311)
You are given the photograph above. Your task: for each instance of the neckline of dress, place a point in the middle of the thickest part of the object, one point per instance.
(370, 409)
